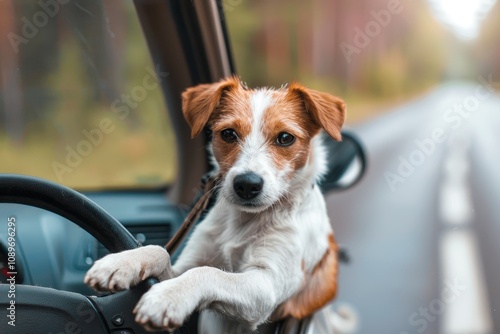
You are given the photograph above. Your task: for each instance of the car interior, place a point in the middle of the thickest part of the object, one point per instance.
(60, 232)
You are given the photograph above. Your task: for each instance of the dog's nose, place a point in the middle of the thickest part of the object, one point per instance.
(248, 185)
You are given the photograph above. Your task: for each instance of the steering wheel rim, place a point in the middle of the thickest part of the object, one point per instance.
(63, 308)
(70, 204)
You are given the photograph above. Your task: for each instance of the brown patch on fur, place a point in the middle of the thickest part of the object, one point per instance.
(327, 110)
(234, 113)
(199, 102)
(319, 287)
(287, 114)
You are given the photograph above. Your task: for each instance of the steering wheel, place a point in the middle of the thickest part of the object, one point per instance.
(45, 310)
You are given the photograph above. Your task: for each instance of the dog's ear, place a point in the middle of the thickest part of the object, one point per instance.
(327, 110)
(200, 101)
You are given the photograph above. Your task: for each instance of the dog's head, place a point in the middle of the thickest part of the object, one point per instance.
(261, 139)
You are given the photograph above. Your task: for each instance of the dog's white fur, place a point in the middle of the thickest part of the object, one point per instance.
(242, 262)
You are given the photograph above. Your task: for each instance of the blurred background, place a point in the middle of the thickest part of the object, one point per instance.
(63, 73)
(420, 81)
(359, 49)
(64, 68)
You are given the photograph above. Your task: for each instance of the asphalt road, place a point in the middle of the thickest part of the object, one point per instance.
(423, 226)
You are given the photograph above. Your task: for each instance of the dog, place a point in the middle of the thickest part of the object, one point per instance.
(266, 249)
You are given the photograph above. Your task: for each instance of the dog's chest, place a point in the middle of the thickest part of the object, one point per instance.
(233, 244)
(232, 255)
(234, 250)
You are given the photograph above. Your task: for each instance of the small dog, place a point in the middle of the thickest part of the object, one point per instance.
(266, 249)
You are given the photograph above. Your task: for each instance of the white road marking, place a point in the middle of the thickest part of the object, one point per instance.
(469, 312)
(455, 201)
(459, 254)
(455, 206)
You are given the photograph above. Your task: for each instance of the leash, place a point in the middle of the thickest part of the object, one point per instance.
(208, 184)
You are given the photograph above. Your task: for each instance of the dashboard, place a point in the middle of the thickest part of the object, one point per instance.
(51, 251)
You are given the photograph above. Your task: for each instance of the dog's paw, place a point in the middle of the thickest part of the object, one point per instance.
(114, 272)
(165, 306)
(120, 271)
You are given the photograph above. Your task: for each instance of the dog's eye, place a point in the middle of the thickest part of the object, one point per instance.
(285, 139)
(229, 135)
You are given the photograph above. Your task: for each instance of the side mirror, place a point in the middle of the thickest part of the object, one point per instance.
(346, 162)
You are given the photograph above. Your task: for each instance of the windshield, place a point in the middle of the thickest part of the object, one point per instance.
(80, 102)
